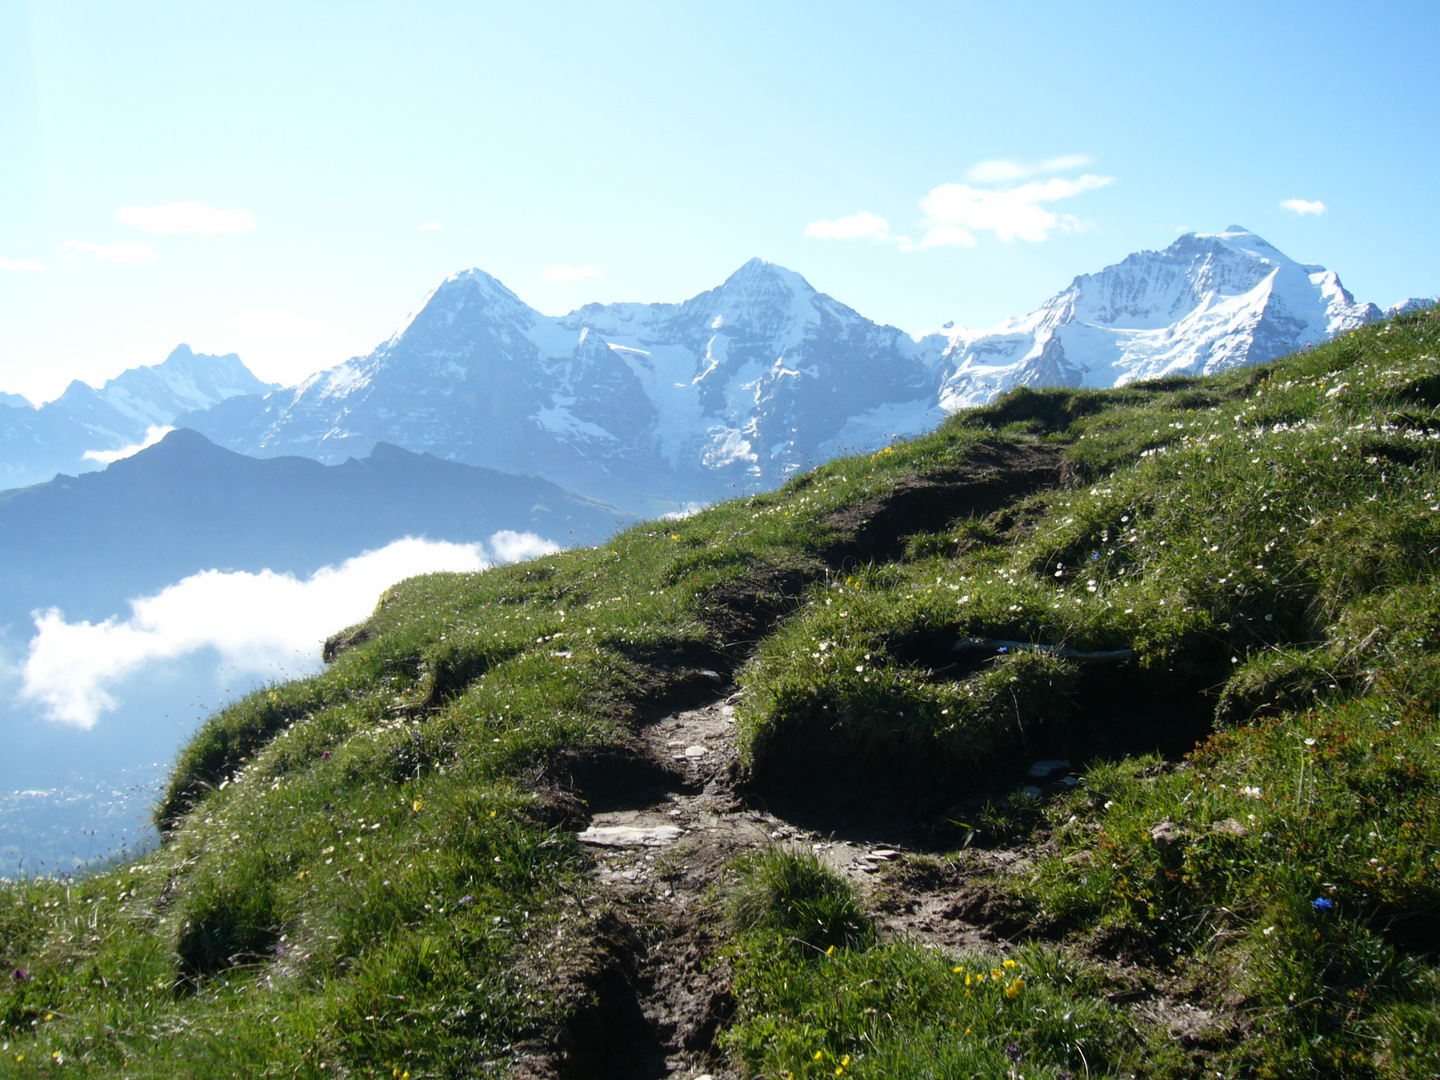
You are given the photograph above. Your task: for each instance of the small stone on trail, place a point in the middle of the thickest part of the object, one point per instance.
(883, 854)
(696, 751)
(1229, 827)
(1043, 770)
(630, 835)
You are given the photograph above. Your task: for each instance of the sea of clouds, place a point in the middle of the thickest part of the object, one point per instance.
(260, 624)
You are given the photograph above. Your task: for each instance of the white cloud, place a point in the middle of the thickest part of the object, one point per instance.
(137, 251)
(569, 273)
(957, 211)
(1003, 171)
(185, 217)
(21, 264)
(431, 226)
(853, 227)
(152, 436)
(948, 236)
(509, 546)
(1303, 206)
(265, 623)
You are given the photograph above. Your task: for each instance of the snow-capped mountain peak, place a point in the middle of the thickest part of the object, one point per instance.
(1207, 302)
(35, 444)
(654, 405)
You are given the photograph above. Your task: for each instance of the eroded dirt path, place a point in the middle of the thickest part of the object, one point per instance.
(659, 862)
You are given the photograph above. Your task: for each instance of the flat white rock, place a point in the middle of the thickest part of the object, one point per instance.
(696, 751)
(630, 835)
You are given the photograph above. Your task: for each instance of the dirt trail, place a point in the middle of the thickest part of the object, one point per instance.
(667, 819)
(658, 862)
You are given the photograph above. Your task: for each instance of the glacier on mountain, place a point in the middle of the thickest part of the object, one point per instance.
(654, 406)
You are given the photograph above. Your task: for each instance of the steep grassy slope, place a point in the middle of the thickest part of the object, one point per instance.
(375, 871)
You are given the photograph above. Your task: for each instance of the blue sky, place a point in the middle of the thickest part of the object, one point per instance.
(653, 148)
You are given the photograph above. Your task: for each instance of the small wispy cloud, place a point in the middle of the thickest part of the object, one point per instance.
(21, 264)
(431, 226)
(185, 217)
(863, 225)
(136, 251)
(153, 435)
(1303, 206)
(958, 211)
(1004, 171)
(264, 624)
(569, 273)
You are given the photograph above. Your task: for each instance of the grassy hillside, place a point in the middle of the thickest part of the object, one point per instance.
(1216, 598)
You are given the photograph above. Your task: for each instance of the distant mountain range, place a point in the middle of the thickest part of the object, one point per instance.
(652, 406)
(87, 544)
(35, 444)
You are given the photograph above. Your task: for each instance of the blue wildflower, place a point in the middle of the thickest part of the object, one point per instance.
(1323, 904)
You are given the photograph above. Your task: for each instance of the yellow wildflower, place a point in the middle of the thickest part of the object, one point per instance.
(1008, 964)
(830, 951)
(1011, 993)
(419, 805)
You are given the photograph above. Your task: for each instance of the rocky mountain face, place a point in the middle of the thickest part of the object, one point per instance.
(639, 404)
(35, 444)
(1205, 303)
(653, 406)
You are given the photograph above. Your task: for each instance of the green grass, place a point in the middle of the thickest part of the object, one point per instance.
(842, 1004)
(362, 873)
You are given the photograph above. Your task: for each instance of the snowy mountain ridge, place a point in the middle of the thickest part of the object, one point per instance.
(38, 442)
(1205, 303)
(653, 406)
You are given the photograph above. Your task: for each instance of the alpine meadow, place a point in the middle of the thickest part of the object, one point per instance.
(1206, 608)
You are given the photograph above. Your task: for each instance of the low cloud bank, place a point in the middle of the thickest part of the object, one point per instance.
(263, 624)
